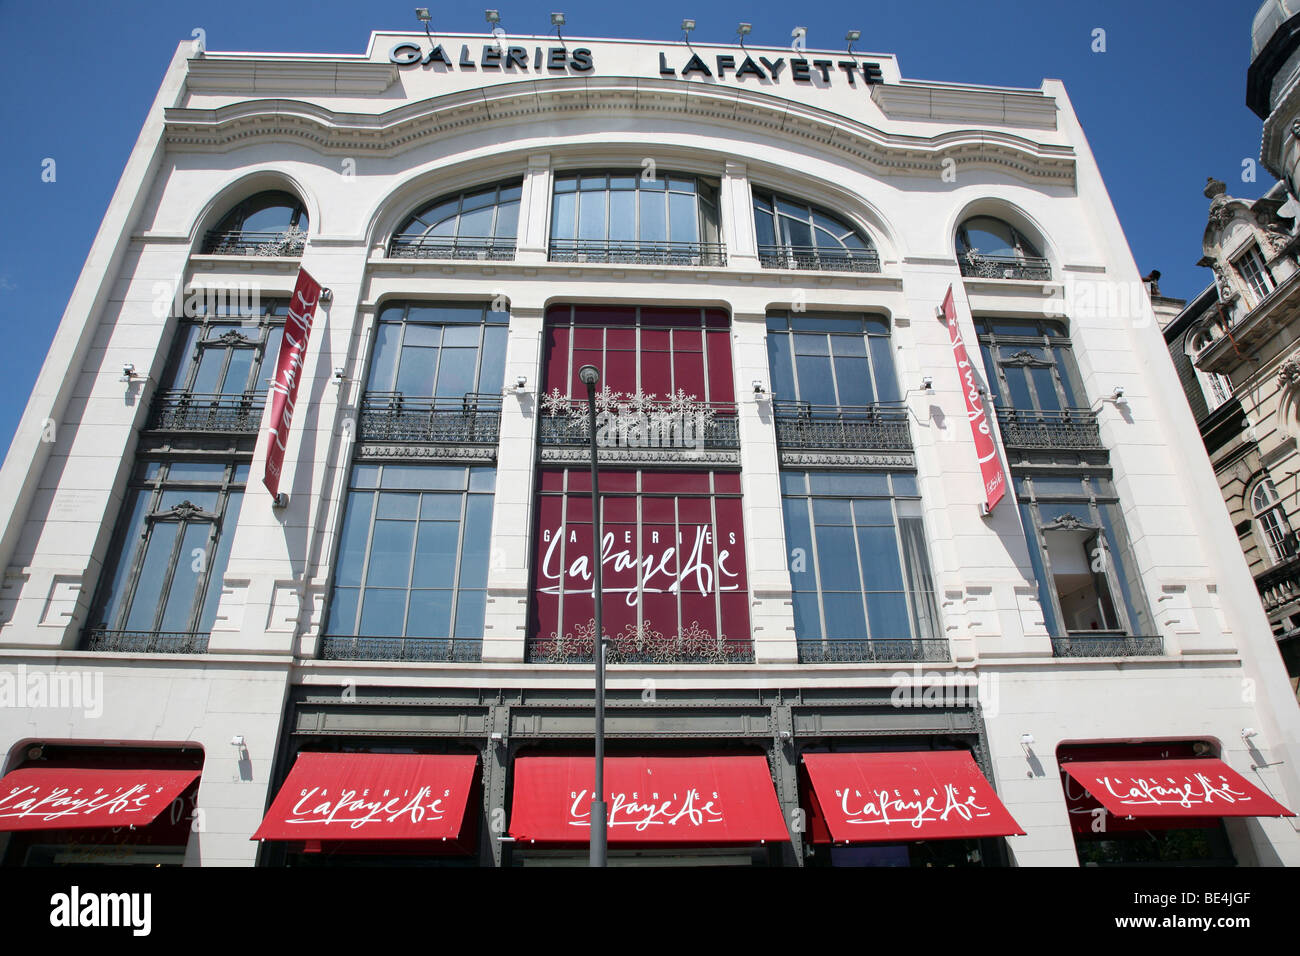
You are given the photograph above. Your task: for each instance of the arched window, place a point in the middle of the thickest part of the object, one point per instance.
(989, 248)
(626, 216)
(271, 223)
(795, 235)
(478, 224)
(1271, 523)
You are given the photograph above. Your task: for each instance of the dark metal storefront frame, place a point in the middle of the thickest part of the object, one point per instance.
(499, 723)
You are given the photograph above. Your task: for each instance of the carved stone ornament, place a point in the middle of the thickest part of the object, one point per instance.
(1069, 522)
(1026, 359)
(1223, 283)
(1289, 373)
(185, 511)
(232, 337)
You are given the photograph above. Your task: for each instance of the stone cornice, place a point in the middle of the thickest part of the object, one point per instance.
(411, 124)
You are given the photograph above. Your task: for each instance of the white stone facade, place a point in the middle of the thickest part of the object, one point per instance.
(364, 141)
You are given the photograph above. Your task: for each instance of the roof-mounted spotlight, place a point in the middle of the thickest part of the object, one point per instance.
(852, 37)
(743, 30)
(687, 27)
(557, 21)
(492, 16)
(422, 14)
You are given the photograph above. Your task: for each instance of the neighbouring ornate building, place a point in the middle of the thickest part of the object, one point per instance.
(905, 553)
(1237, 344)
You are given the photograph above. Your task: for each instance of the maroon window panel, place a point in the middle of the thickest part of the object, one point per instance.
(673, 558)
(660, 351)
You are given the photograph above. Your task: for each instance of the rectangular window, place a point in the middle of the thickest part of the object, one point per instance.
(438, 350)
(673, 565)
(859, 567)
(831, 360)
(1087, 575)
(172, 548)
(229, 348)
(1255, 272)
(413, 559)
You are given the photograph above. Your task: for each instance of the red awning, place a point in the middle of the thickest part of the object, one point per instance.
(60, 798)
(1200, 787)
(371, 797)
(709, 800)
(889, 797)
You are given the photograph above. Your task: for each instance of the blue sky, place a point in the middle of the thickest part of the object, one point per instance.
(1163, 106)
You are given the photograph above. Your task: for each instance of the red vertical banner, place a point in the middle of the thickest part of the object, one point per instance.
(995, 479)
(288, 373)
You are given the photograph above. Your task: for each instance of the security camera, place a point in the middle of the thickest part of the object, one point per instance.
(521, 382)
(340, 376)
(927, 384)
(128, 372)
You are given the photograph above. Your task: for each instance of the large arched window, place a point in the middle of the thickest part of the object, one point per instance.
(1271, 523)
(989, 248)
(478, 224)
(795, 235)
(626, 216)
(271, 223)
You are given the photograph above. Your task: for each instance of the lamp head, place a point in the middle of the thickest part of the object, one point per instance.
(492, 16)
(589, 375)
(688, 26)
(422, 14)
(557, 19)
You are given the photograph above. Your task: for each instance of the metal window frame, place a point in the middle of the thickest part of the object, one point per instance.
(636, 175)
(327, 629)
(152, 516)
(909, 599)
(401, 233)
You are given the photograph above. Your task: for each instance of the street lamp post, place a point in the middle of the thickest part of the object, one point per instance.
(589, 375)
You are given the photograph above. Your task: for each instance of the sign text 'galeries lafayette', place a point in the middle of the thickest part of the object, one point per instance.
(813, 71)
(62, 798)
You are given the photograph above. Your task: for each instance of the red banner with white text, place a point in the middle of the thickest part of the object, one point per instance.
(288, 374)
(995, 479)
(59, 798)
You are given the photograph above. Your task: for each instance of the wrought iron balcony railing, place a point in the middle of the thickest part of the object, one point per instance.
(811, 258)
(1070, 428)
(181, 411)
(1280, 585)
(701, 425)
(401, 649)
(801, 425)
(470, 419)
(861, 652)
(428, 247)
(636, 252)
(653, 649)
(1107, 644)
(977, 266)
(241, 243)
(146, 642)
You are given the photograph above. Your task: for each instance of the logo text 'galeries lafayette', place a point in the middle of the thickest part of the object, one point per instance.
(356, 808)
(890, 807)
(693, 809)
(57, 803)
(1191, 791)
(722, 66)
(659, 572)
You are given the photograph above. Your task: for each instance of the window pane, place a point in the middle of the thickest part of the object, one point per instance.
(507, 221)
(383, 612)
(622, 216)
(393, 505)
(807, 616)
(563, 215)
(853, 377)
(778, 356)
(591, 212)
(383, 367)
(470, 607)
(435, 556)
(815, 382)
(880, 567)
(390, 554)
(837, 562)
(681, 214)
(214, 472)
(456, 372)
(430, 614)
(844, 618)
(477, 542)
(153, 574)
(130, 542)
(356, 529)
(343, 611)
(888, 615)
(217, 565)
(190, 566)
(654, 225)
(416, 371)
(882, 364)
